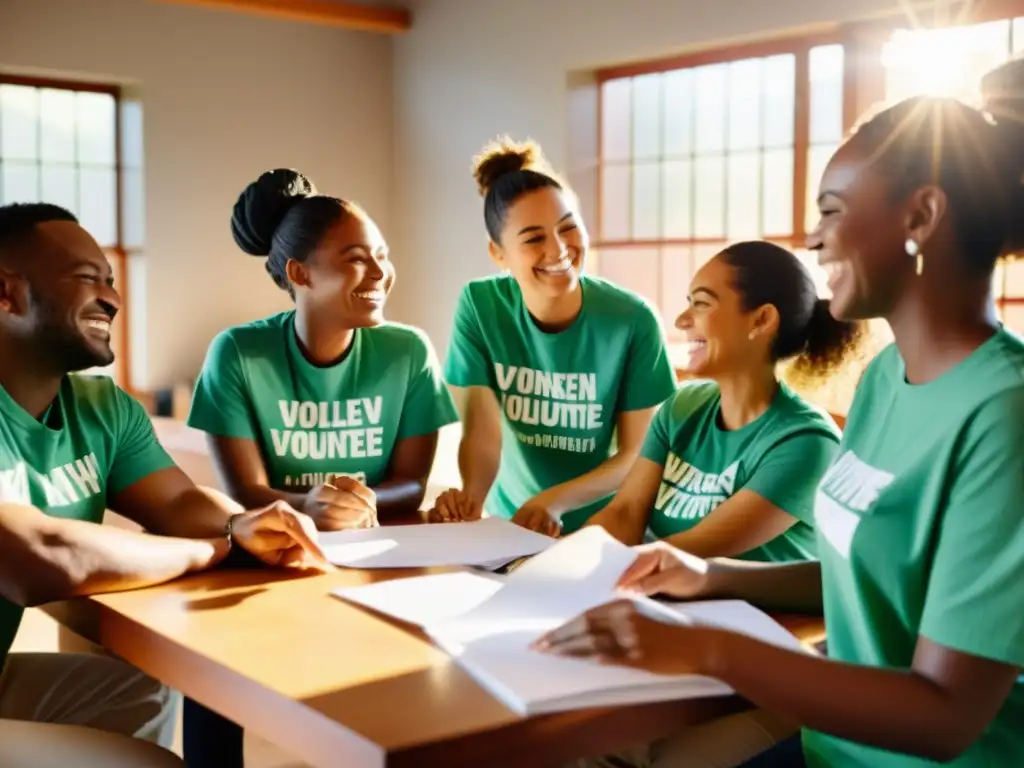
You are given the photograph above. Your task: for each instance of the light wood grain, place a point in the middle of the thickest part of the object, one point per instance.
(337, 685)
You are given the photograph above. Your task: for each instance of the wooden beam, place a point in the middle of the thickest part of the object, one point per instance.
(368, 18)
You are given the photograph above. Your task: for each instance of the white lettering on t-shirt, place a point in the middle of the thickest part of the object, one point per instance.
(312, 479)
(550, 399)
(687, 493)
(848, 489)
(62, 485)
(340, 429)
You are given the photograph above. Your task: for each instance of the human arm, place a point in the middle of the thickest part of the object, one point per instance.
(779, 494)
(479, 455)
(542, 511)
(625, 517)
(45, 558)
(969, 647)
(935, 710)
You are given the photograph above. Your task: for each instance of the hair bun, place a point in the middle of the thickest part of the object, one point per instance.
(263, 204)
(505, 156)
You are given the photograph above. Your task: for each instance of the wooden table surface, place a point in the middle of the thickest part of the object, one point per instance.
(337, 685)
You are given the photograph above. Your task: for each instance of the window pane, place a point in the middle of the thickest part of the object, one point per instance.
(779, 100)
(647, 117)
(710, 101)
(744, 206)
(1014, 270)
(744, 104)
(646, 201)
(133, 209)
(944, 62)
(709, 213)
(60, 186)
(19, 122)
(57, 117)
(96, 128)
(817, 160)
(131, 134)
(1018, 35)
(615, 202)
(678, 87)
(97, 210)
(777, 193)
(19, 182)
(677, 200)
(676, 273)
(826, 71)
(1013, 317)
(634, 268)
(616, 114)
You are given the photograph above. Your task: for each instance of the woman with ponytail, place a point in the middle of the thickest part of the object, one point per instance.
(730, 463)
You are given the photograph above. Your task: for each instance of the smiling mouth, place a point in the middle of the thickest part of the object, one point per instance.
(374, 297)
(561, 267)
(98, 324)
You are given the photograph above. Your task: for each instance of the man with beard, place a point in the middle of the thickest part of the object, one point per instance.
(72, 446)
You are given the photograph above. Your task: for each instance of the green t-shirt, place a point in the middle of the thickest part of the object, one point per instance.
(920, 533)
(94, 441)
(780, 456)
(312, 423)
(560, 393)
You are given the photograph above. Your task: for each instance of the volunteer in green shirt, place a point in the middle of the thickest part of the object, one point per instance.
(732, 461)
(71, 447)
(547, 364)
(326, 406)
(919, 518)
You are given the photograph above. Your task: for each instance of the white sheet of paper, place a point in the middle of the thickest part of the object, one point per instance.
(419, 546)
(425, 600)
(487, 623)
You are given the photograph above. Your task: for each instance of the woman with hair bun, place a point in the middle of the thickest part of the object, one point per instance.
(731, 463)
(920, 541)
(547, 364)
(327, 407)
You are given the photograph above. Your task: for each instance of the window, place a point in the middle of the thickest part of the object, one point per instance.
(710, 148)
(951, 61)
(63, 143)
(695, 157)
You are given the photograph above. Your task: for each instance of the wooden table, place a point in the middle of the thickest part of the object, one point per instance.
(337, 685)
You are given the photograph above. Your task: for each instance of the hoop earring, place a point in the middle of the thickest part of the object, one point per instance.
(914, 251)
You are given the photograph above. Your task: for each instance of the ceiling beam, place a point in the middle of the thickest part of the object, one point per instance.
(335, 13)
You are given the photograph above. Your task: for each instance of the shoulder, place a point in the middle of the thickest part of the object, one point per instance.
(101, 397)
(691, 397)
(603, 296)
(488, 290)
(798, 416)
(399, 337)
(246, 336)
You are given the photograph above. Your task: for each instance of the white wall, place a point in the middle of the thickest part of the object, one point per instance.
(225, 96)
(471, 69)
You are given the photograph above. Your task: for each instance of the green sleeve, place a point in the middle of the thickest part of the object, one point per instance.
(649, 378)
(658, 441)
(469, 363)
(788, 476)
(974, 601)
(137, 453)
(220, 403)
(428, 403)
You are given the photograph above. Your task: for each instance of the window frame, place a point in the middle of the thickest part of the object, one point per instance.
(864, 84)
(117, 253)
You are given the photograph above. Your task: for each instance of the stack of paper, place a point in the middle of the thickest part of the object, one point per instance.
(489, 542)
(487, 624)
